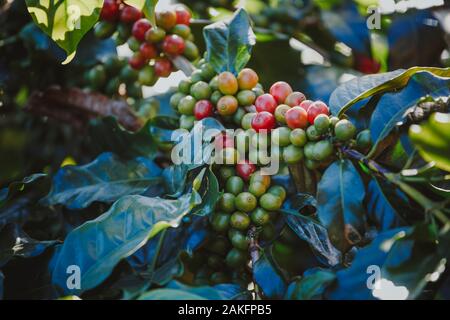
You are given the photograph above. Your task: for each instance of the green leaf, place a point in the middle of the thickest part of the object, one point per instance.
(229, 44)
(268, 277)
(392, 108)
(311, 285)
(340, 198)
(65, 21)
(147, 6)
(107, 135)
(359, 89)
(98, 245)
(14, 242)
(106, 179)
(178, 291)
(432, 139)
(17, 188)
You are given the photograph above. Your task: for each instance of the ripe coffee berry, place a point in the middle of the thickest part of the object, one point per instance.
(245, 169)
(166, 19)
(183, 16)
(130, 14)
(295, 99)
(263, 121)
(203, 109)
(173, 44)
(306, 104)
(163, 67)
(137, 61)
(227, 83)
(247, 79)
(280, 91)
(315, 109)
(110, 11)
(148, 51)
(296, 117)
(140, 27)
(227, 105)
(266, 102)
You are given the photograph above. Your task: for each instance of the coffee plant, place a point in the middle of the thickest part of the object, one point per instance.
(231, 184)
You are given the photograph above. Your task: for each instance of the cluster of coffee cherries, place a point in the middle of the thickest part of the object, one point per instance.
(208, 94)
(247, 208)
(114, 78)
(154, 47)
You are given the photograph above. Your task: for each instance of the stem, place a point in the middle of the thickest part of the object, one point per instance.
(253, 247)
(310, 181)
(298, 174)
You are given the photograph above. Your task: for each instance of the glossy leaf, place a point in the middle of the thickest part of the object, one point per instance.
(401, 260)
(311, 286)
(268, 278)
(18, 188)
(359, 89)
(392, 108)
(229, 44)
(14, 242)
(106, 179)
(98, 245)
(158, 260)
(384, 205)
(66, 21)
(309, 229)
(432, 139)
(340, 198)
(178, 291)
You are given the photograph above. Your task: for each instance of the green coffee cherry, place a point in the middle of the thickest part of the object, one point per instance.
(311, 164)
(281, 136)
(185, 86)
(292, 154)
(240, 221)
(312, 133)
(245, 202)
(235, 185)
(257, 189)
(236, 258)
(270, 202)
(278, 191)
(280, 113)
(246, 122)
(322, 123)
(260, 217)
(308, 150)
(215, 97)
(186, 105)
(298, 137)
(226, 172)
(344, 130)
(322, 150)
(238, 115)
(175, 99)
(227, 202)
(246, 97)
(220, 222)
(363, 140)
(239, 241)
(187, 122)
(200, 90)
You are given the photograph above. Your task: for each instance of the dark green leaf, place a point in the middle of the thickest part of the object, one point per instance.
(18, 188)
(268, 278)
(392, 108)
(14, 242)
(311, 286)
(385, 205)
(229, 44)
(158, 261)
(340, 198)
(178, 291)
(107, 135)
(432, 139)
(353, 91)
(106, 179)
(98, 245)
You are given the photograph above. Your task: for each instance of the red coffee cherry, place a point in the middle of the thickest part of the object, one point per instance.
(266, 102)
(183, 16)
(245, 169)
(173, 44)
(110, 11)
(296, 117)
(263, 121)
(280, 91)
(140, 27)
(163, 67)
(203, 109)
(148, 51)
(315, 109)
(130, 14)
